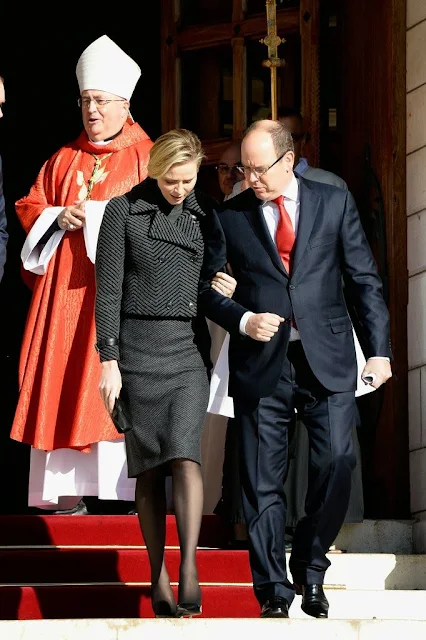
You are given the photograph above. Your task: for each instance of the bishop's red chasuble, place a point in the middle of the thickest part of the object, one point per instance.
(59, 404)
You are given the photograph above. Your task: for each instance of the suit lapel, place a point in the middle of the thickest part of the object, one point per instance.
(257, 220)
(309, 204)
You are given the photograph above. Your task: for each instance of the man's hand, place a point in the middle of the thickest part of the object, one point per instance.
(224, 284)
(110, 383)
(381, 370)
(263, 326)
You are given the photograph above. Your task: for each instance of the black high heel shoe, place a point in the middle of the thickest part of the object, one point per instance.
(188, 609)
(164, 609)
(161, 607)
(189, 606)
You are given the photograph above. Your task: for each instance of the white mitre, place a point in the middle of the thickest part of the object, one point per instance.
(103, 66)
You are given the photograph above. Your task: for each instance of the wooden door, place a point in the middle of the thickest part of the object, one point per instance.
(371, 121)
(213, 80)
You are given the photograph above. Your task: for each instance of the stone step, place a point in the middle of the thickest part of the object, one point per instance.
(211, 629)
(369, 536)
(355, 571)
(377, 536)
(377, 571)
(76, 601)
(370, 605)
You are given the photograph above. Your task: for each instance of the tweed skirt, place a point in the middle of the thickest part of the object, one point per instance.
(165, 392)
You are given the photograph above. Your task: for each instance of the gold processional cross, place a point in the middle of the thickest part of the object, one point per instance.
(273, 61)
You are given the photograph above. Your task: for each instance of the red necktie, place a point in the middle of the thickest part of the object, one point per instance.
(285, 235)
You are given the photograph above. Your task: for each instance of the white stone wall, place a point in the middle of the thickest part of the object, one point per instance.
(416, 221)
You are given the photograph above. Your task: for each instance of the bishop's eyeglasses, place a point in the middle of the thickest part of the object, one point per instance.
(99, 102)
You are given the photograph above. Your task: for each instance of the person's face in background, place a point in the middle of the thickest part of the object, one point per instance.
(228, 173)
(295, 127)
(2, 98)
(102, 121)
(178, 182)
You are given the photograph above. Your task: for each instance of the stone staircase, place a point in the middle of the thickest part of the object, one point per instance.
(76, 576)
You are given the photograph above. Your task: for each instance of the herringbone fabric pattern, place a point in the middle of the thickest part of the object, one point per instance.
(165, 388)
(147, 265)
(147, 269)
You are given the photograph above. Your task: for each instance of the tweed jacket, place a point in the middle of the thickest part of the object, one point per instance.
(146, 265)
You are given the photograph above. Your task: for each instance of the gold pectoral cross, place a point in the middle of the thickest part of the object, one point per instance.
(272, 40)
(97, 173)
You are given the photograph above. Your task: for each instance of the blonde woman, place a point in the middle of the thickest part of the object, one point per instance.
(154, 347)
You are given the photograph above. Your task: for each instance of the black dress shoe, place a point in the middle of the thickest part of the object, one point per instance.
(314, 602)
(276, 607)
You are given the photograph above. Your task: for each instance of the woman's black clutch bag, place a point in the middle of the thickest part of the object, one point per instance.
(120, 419)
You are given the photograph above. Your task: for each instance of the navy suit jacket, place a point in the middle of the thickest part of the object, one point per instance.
(331, 246)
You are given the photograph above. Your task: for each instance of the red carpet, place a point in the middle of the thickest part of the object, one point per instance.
(130, 601)
(87, 530)
(118, 565)
(85, 582)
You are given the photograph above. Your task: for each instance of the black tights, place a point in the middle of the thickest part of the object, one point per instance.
(188, 507)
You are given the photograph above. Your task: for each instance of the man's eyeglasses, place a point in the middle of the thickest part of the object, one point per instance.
(227, 168)
(258, 171)
(99, 102)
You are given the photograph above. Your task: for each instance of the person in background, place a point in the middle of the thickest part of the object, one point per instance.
(3, 221)
(229, 505)
(227, 169)
(293, 122)
(76, 450)
(154, 346)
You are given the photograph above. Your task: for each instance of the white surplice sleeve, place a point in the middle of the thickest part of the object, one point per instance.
(36, 257)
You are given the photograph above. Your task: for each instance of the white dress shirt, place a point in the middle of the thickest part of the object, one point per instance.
(271, 213)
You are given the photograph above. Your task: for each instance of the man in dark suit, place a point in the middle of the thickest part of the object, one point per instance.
(290, 242)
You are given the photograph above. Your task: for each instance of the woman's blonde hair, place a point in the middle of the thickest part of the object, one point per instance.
(174, 147)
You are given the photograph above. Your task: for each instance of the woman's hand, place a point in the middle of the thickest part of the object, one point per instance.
(110, 383)
(224, 284)
(73, 217)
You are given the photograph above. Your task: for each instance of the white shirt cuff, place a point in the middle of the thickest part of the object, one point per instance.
(379, 358)
(243, 322)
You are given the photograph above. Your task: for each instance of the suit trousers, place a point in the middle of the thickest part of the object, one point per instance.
(263, 426)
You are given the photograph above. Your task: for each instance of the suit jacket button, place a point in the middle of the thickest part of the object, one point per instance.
(169, 305)
(292, 286)
(191, 305)
(161, 259)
